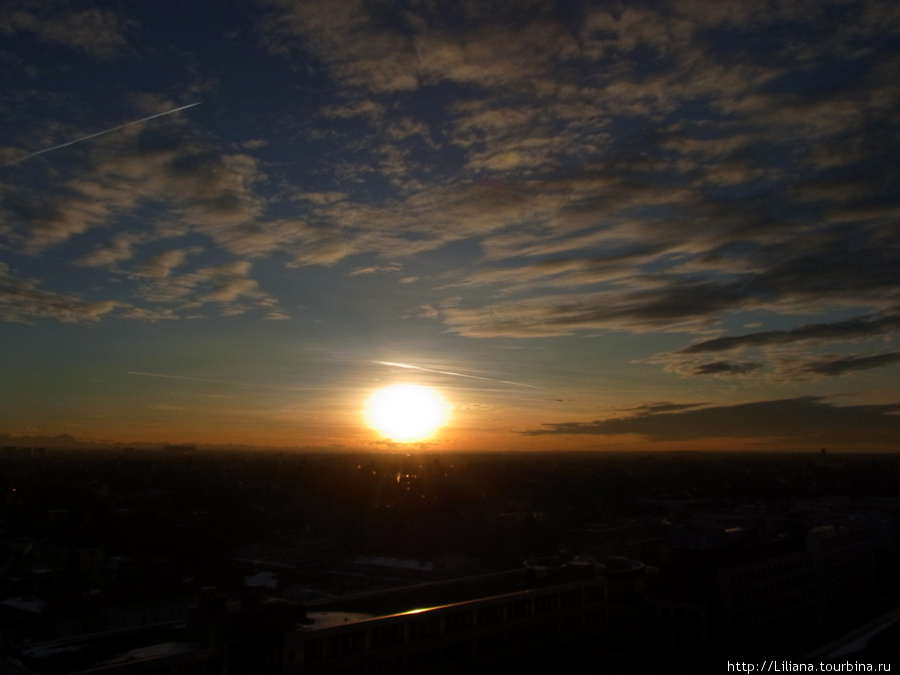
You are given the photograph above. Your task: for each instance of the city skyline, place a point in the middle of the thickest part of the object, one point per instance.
(588, 226)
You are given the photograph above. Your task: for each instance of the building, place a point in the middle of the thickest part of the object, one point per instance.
(473, 624)
(742, 593)
(553, 616)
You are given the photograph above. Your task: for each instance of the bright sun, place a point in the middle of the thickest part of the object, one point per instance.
(407, 412)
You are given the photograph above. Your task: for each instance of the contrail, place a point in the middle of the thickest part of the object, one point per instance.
(249, 385)
(177, 377)
(448, 372)
(99, 133)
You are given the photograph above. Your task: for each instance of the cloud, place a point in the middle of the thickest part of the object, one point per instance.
(791, 354)
(425, 311)
(364, 108)
(625, 167)
(381, 50)
(796, 420)
(23, 302)
(207, 191)
(36, 222)
(148, 314)
(319, 246)
(119, 249)
(349, 40)
(523, 111)
(726, 368)
(828, 271)
(229, 286)
(161, 265)
(668, 305)
(841, 365)
(375, 269)
(665, 407)
(857, 328)
(100, 33)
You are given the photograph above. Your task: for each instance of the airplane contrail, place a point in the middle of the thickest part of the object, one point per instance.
(177, 377)
(249, 385)
(99, 133)
(448, 372)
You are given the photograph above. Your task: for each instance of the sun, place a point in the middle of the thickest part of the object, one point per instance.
(407, 412)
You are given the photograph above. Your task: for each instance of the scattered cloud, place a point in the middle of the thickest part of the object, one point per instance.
(23, 301)
(795, 420)
(120, 248)
(98, 32)
(664, 407)
(229, 286)
(375, 269)
(727, 368)
(840, 365)
(161, 265)
(857, 328)
(792, 354)
(669, 170)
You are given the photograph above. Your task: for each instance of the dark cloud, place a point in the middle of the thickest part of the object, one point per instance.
(670, 305)
(852, 364)
(656, 408)
(794, 420)
(844, 264)
(861, 327)
(727, 368)
(23, 302)
(227, 287)
(98, 32)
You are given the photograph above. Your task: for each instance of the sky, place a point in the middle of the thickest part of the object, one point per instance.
(589, 225)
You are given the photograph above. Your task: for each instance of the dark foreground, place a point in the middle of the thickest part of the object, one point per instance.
(189, 562)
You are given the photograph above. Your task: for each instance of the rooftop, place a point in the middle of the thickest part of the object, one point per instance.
(406, 599)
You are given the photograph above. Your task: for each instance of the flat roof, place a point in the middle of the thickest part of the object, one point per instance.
(417, 597)
(70, 655)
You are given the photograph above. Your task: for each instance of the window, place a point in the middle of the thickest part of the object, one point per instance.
(427, 627)
(424, 660)
(313, 651)
(488, 616)
(458, 652)
(518, 609)
(595, 618)
(385, 636)
(346, 643)
(570, 598)
(547, 629)
(594, 593)
(489, 644)
(519, 636)
(571, 624)
(545, 603)
(458, 621)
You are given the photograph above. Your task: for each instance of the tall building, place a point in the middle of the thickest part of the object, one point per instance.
(746, 594)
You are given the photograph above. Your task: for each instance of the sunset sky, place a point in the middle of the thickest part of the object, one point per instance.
(589, 225)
